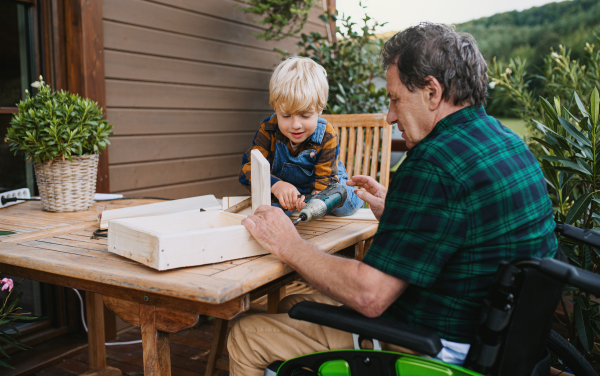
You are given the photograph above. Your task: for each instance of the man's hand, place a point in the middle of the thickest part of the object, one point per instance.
(374, 193)
(272, 229)
(288, 196)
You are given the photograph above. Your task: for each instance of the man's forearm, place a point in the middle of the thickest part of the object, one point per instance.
(348, 281)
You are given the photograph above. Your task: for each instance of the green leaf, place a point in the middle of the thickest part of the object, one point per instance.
(574, 132)
(594, 103)
(548, 110)
(340, 98)
(566, 162)
(582, 324)
(580, 105)
(5, 365)
(579, 208)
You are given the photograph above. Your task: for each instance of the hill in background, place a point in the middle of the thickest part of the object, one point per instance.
(532, 32)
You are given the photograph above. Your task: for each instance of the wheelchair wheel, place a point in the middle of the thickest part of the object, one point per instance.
(566, 358)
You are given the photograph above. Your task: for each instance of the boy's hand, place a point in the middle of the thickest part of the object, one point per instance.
(287, 195)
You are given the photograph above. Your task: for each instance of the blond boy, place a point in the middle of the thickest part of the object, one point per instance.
(301, 147)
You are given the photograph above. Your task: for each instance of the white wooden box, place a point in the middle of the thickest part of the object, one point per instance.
(182, 239)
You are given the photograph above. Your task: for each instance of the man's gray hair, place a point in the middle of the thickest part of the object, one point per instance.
(439, 51)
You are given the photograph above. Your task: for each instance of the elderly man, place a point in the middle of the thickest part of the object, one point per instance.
(468, 196)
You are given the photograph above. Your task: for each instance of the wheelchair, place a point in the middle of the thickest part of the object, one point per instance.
(513, 337)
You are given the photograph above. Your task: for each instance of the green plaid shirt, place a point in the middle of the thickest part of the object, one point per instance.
(468, 196)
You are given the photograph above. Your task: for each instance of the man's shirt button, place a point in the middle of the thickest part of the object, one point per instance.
(312, 154)
(278, 141)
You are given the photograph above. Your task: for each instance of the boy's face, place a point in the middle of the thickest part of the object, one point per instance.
(297, 127)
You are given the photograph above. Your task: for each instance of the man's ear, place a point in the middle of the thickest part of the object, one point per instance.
(434, 91)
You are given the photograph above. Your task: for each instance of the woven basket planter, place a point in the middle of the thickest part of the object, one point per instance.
(67, 186)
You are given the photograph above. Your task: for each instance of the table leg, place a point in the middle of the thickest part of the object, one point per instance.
(97, 351)
(366, 246)
(157, 354)
(273, 299)
(219, 339)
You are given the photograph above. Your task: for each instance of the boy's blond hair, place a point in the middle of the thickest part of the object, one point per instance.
(298, 84)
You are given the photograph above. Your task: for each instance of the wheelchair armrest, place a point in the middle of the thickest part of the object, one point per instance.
(342, 318)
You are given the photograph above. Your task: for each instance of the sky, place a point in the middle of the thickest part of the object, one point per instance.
(403, 13)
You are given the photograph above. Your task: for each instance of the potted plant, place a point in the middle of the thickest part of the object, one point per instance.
(63, 134)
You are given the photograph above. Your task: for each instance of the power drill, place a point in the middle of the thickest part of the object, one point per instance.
(323, 203)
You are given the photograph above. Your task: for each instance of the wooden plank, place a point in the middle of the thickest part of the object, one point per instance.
(46, 233)
(360, 215)
(219, 338)
(274, 298)
(157, 354)
(129, 66)
(375, 155)
(167, 319)
(152, 121)
(229, 10)
(225, 186)
(153, 148)
(260, 180)
(173, 20)
(235, 208)
(92, 48)
(107, 284)
(386, 145)
(351, 149)
(130, 38)
(356, 120)
(367, 153)
(343, 143)
(358, 158)
(208, 202)
(133, 94)
(182, 239)
(95, 318)
(144, 175)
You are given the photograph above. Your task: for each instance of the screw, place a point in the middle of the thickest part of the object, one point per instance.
(367, 360)
(162, 250)
(146, 298)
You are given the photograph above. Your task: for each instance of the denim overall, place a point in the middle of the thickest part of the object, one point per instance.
(298, 171)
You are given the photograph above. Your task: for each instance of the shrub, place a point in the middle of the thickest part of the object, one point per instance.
(57, 125)
(352, 64)
(571, 166)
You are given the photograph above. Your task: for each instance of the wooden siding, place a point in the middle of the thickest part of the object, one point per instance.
(186, 88)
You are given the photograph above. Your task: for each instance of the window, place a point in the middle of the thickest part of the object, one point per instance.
(15, 76)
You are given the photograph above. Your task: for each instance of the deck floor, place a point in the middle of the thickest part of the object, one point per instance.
(189, 354)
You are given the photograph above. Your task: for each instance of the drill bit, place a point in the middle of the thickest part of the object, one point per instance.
(296, 221)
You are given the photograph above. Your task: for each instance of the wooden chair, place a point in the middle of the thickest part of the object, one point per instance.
(365, 144)
(365, 149)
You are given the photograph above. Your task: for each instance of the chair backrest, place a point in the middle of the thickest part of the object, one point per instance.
(365, 144)
(516, 322)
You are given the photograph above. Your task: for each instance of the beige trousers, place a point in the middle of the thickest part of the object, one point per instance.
(258, 340)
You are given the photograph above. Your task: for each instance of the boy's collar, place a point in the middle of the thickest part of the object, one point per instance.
(316, 137)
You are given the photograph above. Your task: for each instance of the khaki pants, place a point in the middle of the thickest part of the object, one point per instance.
(258, 340)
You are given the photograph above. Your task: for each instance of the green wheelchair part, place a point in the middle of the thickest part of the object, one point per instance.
(369, 362)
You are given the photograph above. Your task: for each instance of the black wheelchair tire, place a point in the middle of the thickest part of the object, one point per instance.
(570, 356)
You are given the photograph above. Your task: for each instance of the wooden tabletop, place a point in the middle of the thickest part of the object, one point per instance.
(58, 248)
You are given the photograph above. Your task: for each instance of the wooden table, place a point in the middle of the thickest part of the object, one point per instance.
(57, 248)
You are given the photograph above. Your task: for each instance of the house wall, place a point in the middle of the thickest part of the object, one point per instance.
(186, 89)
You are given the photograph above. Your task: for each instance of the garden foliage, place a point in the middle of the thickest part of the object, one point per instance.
(560, 76)
(283, 18)
(566, 140)
(57, 125)
(571, 166)
(352, 63)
